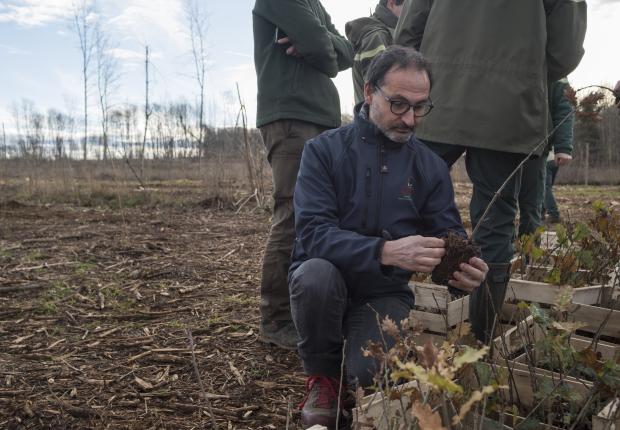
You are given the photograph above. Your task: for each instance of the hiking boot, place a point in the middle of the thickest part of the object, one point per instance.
(279, 333)
(321, 403)
(553, 219)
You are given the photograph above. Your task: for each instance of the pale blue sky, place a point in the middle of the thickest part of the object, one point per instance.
(40, 60)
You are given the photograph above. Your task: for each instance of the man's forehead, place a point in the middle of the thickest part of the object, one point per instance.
(407, 83)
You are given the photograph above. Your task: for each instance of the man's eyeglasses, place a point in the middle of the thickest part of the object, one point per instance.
(400, 107)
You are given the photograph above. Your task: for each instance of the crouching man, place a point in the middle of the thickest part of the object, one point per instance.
(370, 204)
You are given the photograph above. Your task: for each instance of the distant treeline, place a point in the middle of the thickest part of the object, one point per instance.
(174, 132)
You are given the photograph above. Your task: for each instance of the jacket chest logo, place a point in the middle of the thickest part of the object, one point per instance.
(406, 191)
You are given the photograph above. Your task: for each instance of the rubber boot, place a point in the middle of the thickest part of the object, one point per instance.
(486, 302)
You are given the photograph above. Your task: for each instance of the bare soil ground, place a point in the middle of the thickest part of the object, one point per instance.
(95, 305)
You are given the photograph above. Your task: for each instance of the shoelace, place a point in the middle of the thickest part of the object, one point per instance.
(327, 391)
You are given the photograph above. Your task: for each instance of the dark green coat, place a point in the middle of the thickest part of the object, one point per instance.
(491, 61)
(298, 88)
(560, 106)
(369, 36)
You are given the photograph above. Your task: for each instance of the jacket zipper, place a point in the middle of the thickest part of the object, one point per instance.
(367, 185)
(383, 170)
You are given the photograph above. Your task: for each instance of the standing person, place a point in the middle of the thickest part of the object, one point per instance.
(369, 36)
(371, 202)
(297, 50)
(538, 176)
(490, 93)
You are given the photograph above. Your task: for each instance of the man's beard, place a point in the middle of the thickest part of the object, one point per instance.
(402, 137)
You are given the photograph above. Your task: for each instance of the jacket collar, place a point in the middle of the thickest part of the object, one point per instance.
(386, 16)
(369, 132)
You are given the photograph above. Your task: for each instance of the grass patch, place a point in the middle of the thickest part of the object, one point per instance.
(83, 268)
(240, 299)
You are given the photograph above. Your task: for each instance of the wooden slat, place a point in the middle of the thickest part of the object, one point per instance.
(609, 417)
(594, 316)
(541, 292)
(430, 296)
(458, 311)
(523, 385)
(431, 321)
(513, 339)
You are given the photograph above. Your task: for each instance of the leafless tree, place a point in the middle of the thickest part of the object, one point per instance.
(4, 146)
(29, 127)
(147, 109)
(107, 76)
(197, 23)
(83, 12)
(57, 126)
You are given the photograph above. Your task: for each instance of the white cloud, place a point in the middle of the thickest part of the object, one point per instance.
(31, 13)
(126, 54)
(158, 22)
(13, 50)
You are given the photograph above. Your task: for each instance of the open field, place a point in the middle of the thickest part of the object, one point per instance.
(97, 295)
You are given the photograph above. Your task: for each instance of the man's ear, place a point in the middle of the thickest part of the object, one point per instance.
(368, 92)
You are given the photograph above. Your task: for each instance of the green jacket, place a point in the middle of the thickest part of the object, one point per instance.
(491, 61)
(292, 87)
(369, 36)
(560, 106)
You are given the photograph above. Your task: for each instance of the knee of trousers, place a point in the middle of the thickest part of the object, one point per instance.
(317, 278)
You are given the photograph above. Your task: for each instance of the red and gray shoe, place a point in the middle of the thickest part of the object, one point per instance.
(321, 403)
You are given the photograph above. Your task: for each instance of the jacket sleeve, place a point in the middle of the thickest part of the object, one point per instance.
(318, 46)
(566, 30)
(317, 223)
(560, 107)
(344, 49)
(410, 28)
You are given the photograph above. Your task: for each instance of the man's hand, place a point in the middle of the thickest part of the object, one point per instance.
(291, 50)
(470, 276)
(562, 159)
(413, 253)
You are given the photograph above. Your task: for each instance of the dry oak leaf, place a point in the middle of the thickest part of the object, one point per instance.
(427, 419)
(390, 327)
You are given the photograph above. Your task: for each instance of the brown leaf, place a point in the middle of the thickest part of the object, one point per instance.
(390, 327)
(428, 355)
(427, 419)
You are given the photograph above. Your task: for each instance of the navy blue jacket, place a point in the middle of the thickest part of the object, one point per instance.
(355, 189)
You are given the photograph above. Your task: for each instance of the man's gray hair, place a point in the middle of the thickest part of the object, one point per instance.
(395, 57)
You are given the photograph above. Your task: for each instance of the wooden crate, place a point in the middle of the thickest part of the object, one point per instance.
(435, 309)
(380, 413)
(609, 417)
(542, 292)
(513, 339)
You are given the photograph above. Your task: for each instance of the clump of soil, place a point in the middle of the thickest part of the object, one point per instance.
(458, 250)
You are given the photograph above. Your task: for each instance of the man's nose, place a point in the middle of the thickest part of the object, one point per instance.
(409, 118)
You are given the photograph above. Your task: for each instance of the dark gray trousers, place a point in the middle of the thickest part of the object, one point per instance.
(531, 194)
(488, 170)
(284, 141)
(324, 315)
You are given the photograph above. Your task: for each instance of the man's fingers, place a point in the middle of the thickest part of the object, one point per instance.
(471, 272)
(427, 261)
(479, 264)
(462, 286)
(432, 242)
(284, 40)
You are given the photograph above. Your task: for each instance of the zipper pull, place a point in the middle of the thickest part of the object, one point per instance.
(384, 167)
